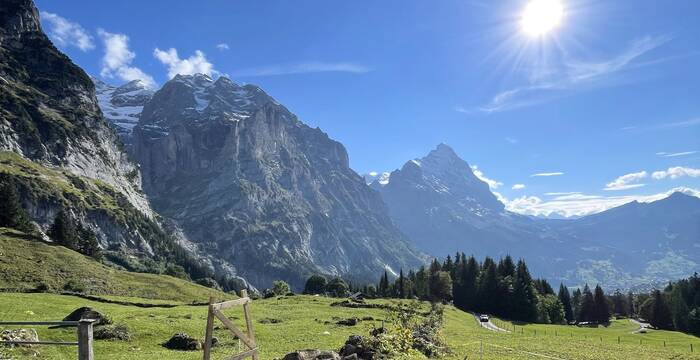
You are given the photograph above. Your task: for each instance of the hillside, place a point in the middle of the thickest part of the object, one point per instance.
(309, 322)
(26, 264)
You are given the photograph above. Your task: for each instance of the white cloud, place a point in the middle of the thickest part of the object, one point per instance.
(118, 58)
(628, 181)
(582, 205)
(493, 184)
(561, 79)
(302, 68)
(546, 174)
(195, 64)
(683, 153)
(518, 186)
(664, 126)
(676, 172)
(66, 33)
(562, 193)
(222, 46)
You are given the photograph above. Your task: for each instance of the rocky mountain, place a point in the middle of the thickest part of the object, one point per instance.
(443, 207)
(61, 156)
(122, 105)
(251, 184)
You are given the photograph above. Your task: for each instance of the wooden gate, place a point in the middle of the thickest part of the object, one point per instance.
(247, 338)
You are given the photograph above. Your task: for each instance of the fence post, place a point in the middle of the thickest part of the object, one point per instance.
(618, 339)
(249, 323)
(691, 347)
(210, 329)
(85, 339)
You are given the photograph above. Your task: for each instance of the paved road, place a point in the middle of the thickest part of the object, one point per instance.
(488, 325)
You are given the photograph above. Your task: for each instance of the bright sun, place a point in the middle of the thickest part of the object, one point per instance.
(541, 16)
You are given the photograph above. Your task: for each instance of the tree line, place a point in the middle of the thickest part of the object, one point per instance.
(676, 307)
(504, 288)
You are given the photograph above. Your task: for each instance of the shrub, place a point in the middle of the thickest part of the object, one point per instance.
(75, 286)
(337, 288)
(316, 284)
(280, 287)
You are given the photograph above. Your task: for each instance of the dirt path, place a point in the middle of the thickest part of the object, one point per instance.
(488, 325)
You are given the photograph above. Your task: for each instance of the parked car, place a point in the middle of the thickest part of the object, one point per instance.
(484, 318)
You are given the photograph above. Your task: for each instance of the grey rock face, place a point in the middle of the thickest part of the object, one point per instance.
(122, 105)
(253, 185)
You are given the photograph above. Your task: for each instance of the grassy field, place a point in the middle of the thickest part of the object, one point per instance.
(25, 264)
(309, 322)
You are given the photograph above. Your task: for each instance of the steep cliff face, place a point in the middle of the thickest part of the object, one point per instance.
(249, 182)
(48, 110)
(61, 155)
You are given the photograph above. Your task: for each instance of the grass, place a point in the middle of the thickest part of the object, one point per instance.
(309, 322)
(25, 264)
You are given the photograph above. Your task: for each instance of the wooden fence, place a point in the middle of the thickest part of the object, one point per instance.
(84, 342)
(248, 338)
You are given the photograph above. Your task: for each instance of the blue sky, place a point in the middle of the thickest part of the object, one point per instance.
(610, 98)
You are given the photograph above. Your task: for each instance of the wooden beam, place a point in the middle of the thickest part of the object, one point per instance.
(74, 343)
(231, 303)
(209, 331)
(19, 323)
(85, 340)
(249, 323)
(245, 354)
(234, 329)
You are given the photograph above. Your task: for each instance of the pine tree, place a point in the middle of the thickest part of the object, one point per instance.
(12, 214)
(63, 231)
(576, 300)
(565, 299)
(506, 267)
(469, 276)
(88, 244)
(524, 297)
(679, 309)
(488, 289)
(660, 312)
(587, 312)
(631, 309)
(401, 289)
(602, 312)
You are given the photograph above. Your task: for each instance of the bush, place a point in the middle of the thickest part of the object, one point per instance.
(112, 332)
(337, 288)
(75, 286)
(280, 287)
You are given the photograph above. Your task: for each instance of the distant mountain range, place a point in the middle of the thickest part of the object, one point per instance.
(443, 207)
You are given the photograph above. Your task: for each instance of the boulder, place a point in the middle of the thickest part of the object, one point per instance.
(19, 335)
(312, 354)
(348, 322)
(88, 313)
(112, 332)
(182, 341)
(357, 348)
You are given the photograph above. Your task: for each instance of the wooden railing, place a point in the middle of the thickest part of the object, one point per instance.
(84, 342)
(248, 338)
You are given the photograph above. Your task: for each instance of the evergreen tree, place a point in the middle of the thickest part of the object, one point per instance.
(619, 301)
(660, 312)
(524, 297)
(576, 303)
(440, 286)
(12, 214)
(88, 244)
(631, 309)
(679, 309)
(422, 288)
(506, 267)
(602, 312)
(401, 289)
(488, 289)
(565, 299)
(384, 285)
(587, 312)
(469, 284)
(63, 231)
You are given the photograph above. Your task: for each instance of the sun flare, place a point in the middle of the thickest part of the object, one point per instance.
(541, 17)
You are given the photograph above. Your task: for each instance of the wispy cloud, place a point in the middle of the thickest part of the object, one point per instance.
(518, 187)
(683, 153)
(572, 75)
(302, 68)
(664, 126)
(222, 46)
(117, 59)
(581, 204)
(562, 193)
(493, 184)
(625, 182)
(546, 174)
(195, 64)
(676, 172)
(67, 33)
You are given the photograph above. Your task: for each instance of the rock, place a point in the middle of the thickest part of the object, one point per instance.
(112, 332)
(269, 321)
(88, 313)
(357, 348)
(182, 341)
(348, 322)
(19, 335)
(312, 354)
(356, 305)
